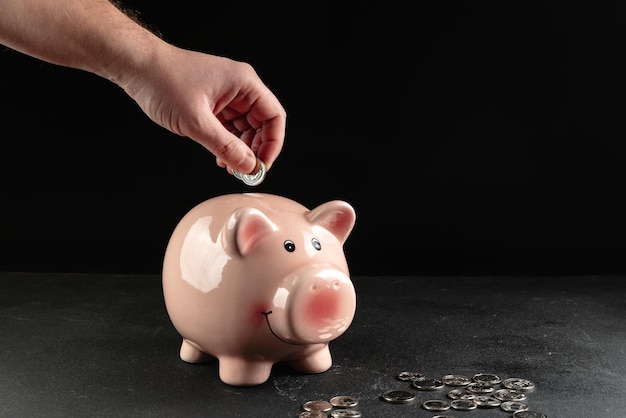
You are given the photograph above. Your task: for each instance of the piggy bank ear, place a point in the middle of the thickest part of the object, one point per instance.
(245, 227)
(336, 216)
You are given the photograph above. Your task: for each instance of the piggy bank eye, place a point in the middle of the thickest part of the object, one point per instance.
(316, 244)
(290, 246)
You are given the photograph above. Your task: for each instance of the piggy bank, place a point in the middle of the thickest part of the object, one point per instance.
(254, 279)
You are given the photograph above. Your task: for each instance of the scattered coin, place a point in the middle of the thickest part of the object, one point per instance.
(427, 383)
(523, 385)
(492, 379)
(317, 405)
(313, 414)
(345, 413)
(409, 376)
(480, 390)
(398, 396)
(456, 380)
(255, 178)
(461, 394)
(463, 404)
(487, 401)
(344, 401)
(513, 406)
(509, 395)
(529, 414)
(436, 405)
(480, 387)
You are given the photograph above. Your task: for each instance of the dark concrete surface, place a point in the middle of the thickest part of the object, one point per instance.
(103, 346)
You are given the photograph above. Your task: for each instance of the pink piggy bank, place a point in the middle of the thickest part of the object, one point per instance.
(253, 279)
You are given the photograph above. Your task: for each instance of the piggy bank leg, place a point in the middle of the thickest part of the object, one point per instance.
(191, 353)
(240, 372)
(315, 362)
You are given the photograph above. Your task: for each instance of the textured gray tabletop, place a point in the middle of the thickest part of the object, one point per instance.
(103, 346)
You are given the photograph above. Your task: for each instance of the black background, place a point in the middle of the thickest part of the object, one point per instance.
(471, 138)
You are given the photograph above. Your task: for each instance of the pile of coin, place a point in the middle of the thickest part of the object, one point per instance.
(338, 406)
(483, 390)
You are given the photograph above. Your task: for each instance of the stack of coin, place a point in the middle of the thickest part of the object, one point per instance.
(338, 406)
(257, 176)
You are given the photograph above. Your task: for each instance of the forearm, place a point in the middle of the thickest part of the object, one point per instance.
(91, 35)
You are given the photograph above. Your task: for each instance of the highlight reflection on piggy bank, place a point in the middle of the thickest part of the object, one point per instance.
(253, 279)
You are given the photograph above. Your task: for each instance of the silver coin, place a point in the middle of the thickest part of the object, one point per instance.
(344, 401)
(492, 379)
(252, 179)
(436, 405)
(398, 396)
(509, 395)
(487, 401)
(517, 383)
(409, 376)
(463, 404)
(317, 405)
(313, 414)
(352, 413)
(456, 380)
(513, 406)
(529, 414)
(427, 383)
(461, 394)
(480, 387)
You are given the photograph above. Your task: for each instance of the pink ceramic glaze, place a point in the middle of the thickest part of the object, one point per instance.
(253, 279)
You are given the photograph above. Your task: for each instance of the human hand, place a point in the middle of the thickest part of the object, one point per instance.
(220, 103)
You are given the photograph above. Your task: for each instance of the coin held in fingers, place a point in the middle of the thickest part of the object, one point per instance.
(257, 176)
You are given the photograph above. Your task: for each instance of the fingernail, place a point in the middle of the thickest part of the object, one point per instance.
(251, 157)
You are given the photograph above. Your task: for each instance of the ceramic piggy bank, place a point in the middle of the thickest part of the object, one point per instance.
(254, 279)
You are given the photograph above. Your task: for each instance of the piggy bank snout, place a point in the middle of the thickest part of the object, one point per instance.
(320, 306)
